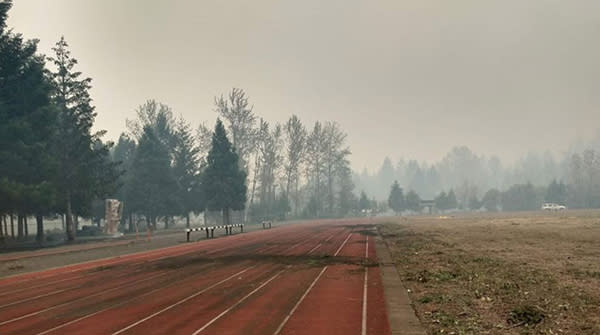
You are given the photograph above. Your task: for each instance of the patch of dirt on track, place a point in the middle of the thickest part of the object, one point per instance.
(307, 260)
(526, 274)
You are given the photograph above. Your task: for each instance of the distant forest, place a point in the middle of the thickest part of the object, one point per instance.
(572, 179)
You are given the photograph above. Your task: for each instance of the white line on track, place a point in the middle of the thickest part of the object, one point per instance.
(78, 299)
(33, 298)
(289, 315)
(314, 282)
(341, 246)
(364, 304)
(236, 304)
(315, 248)
(37, 286)
(181, 301)
(92, 314)
(105, 309)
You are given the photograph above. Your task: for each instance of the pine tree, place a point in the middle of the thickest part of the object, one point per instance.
(153, 188)
(84, 171)
(396, 198)
(27, 122)
(223, 180)
(186, 170)
(413, 201)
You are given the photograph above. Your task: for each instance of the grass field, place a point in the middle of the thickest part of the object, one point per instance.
(523, 273)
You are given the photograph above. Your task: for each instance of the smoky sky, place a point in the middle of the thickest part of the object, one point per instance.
(404, 78)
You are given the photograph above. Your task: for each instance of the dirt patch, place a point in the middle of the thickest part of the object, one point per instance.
(307, 260)
(369, 232)
(526, 274)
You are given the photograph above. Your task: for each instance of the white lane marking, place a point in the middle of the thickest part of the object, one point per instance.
(289, 315)
(33, 298)
(236, 304)
(315, 248)
(107, 308)
(103, 310)
(37, 286)
(78, 299)
(314, 282)
(341, 246)
(113, 306)
(181, 301)
(364, 304)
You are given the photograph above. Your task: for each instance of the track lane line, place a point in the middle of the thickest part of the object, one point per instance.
(181, 301)
(236, 304)
(365, 287)
(78, 299)
(310, 287)
(32, 298)
(97, 312)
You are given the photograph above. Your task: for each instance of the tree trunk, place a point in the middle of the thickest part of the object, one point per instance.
(39, 237)
(12, 225)
(76, 221)
(69, 219)
(166, 222)
(26, 226)
(131, 228)
(187, 220)
(19, 226)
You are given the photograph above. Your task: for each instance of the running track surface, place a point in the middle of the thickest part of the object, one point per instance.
(312, 278)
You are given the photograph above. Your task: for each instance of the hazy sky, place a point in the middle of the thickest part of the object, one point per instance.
(403, 77)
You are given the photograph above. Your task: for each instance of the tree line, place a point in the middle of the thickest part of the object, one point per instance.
(475, 180)
(287, 170)
(162, 167)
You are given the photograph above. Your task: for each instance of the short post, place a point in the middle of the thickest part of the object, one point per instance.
(188, 235)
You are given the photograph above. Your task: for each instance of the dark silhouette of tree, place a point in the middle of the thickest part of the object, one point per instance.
(223, 180)
(84, 170)
(413, 201)
(186, 170)
(396, 198)
(153, 188)
(27, 125)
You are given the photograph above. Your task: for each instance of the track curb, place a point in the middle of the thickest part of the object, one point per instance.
(401, 314)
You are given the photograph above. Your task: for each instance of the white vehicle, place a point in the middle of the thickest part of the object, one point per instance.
(553, 207)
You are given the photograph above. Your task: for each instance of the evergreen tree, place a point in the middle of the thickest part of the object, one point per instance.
(396, 198)
(413, 201)
(153, 187)
(27, 122)
(441, 201)
(491, 200)
(123, 154)
(186, 170)
(83, 168)
(223, 180)
(451, 201)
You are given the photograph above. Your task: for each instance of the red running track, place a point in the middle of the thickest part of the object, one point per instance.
(314, 278)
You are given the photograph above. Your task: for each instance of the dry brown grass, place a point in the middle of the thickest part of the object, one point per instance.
(525, 273)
